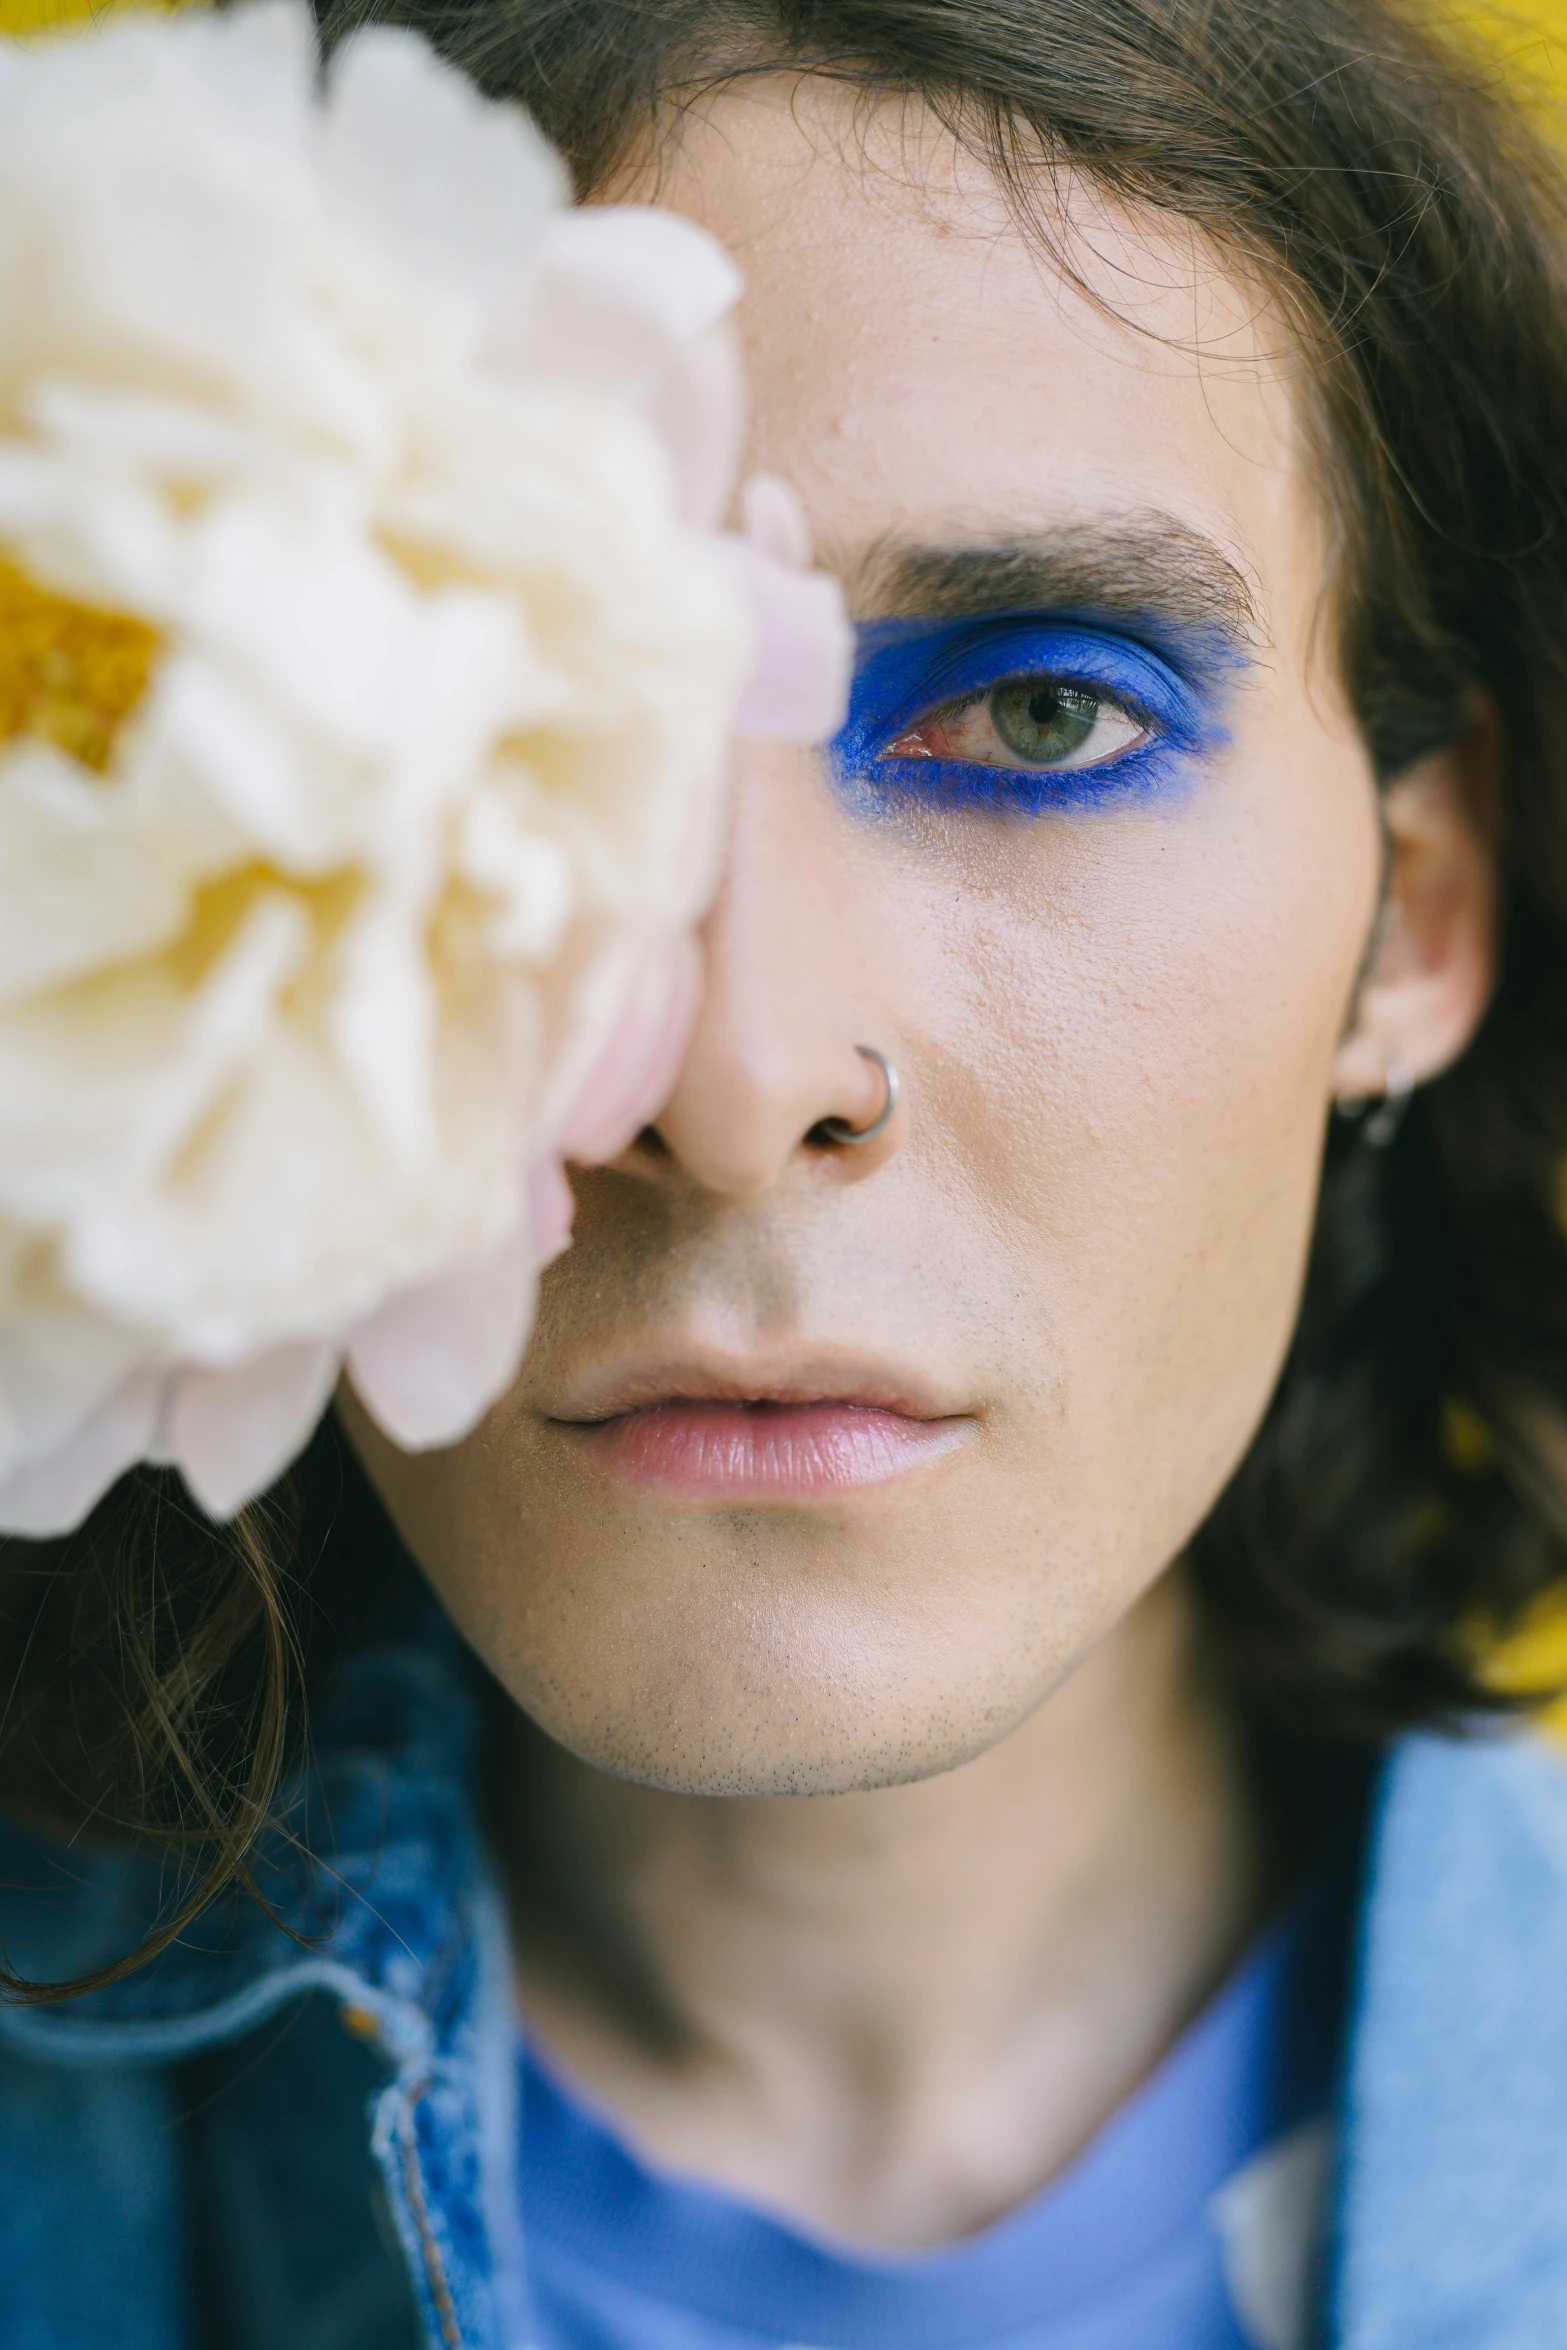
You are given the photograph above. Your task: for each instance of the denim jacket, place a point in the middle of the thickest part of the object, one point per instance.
(268, 2143)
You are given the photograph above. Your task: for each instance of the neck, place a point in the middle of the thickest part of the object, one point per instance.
(896, 2014)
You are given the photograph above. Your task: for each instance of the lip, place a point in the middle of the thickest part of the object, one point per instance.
(694, 1429)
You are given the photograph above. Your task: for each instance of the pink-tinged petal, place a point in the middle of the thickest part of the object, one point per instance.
(232, 1433)
(414, 157)
(698, 411)
(638, 258)
(798, 689)
(773, 521)
(633, 304)
(53, 1494)
(428, 1366)
(551, 1208)
(635, 1074)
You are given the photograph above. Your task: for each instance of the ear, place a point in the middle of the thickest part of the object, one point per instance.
(1433, 963)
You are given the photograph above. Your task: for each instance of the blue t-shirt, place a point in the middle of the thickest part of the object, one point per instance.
(1190, 2222)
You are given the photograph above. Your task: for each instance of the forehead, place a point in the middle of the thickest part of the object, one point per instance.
(924, 370)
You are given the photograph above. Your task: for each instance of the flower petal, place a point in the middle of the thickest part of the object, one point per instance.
(773, 520)
(651, 264)
(81, 883)
(634, 303)
(798, 689)
(59, 1362)
(431, 1363)
(309, 611)
(416, 485)
(231, 1434)
(698, 411)
(55, 1491)
(102, 1084)
(636, 1070)
(552, 1207)
(418, 160)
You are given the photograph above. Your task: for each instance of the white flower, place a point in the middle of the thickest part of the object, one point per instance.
(367, 660)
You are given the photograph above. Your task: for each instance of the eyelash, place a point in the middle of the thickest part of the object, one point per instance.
(904, 685)
(1097, 705)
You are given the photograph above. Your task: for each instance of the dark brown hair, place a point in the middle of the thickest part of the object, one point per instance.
(1408, 1488)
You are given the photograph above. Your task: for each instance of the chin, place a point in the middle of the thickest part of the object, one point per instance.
(728, 1698)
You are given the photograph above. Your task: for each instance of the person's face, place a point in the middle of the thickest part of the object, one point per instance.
(1107, 924)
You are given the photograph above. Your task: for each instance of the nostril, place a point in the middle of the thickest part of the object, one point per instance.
(836, 1132)
(831, 1134)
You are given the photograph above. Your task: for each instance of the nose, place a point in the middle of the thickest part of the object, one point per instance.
(789, 1000)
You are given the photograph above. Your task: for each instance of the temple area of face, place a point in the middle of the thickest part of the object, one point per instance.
(1150, 566)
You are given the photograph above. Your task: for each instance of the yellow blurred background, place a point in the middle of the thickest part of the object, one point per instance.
(40, 16)
(1528, 38)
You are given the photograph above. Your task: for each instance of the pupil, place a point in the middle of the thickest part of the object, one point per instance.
(1042, 723)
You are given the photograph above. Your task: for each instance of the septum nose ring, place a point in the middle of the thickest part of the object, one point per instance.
(839, 1129)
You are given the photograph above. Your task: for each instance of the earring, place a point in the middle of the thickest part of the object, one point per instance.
(1382, 1126)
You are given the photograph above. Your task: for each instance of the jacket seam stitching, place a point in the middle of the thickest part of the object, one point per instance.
(429, 2249)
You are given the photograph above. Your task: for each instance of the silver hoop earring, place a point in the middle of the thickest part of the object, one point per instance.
(1382, 1125)
(839, 1129)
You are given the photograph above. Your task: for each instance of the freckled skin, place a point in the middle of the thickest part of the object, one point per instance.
(1116, 1028)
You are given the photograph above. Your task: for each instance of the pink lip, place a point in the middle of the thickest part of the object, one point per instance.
(764, 1450)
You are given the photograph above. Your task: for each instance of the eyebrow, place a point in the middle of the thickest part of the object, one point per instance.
(1146, 566)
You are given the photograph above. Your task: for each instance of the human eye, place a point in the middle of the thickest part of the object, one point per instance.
(1035, 721)
(1015, 713)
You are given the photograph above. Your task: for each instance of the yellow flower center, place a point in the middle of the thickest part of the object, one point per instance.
(70, 674)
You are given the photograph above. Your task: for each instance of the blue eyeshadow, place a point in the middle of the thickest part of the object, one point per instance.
(907, 669)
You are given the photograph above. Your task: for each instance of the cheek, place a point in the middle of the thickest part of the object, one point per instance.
(1137, 1038)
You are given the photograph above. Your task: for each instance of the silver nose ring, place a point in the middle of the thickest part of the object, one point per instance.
(839, 1129)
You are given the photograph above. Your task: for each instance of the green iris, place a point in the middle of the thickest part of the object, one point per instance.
(1040, 721)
